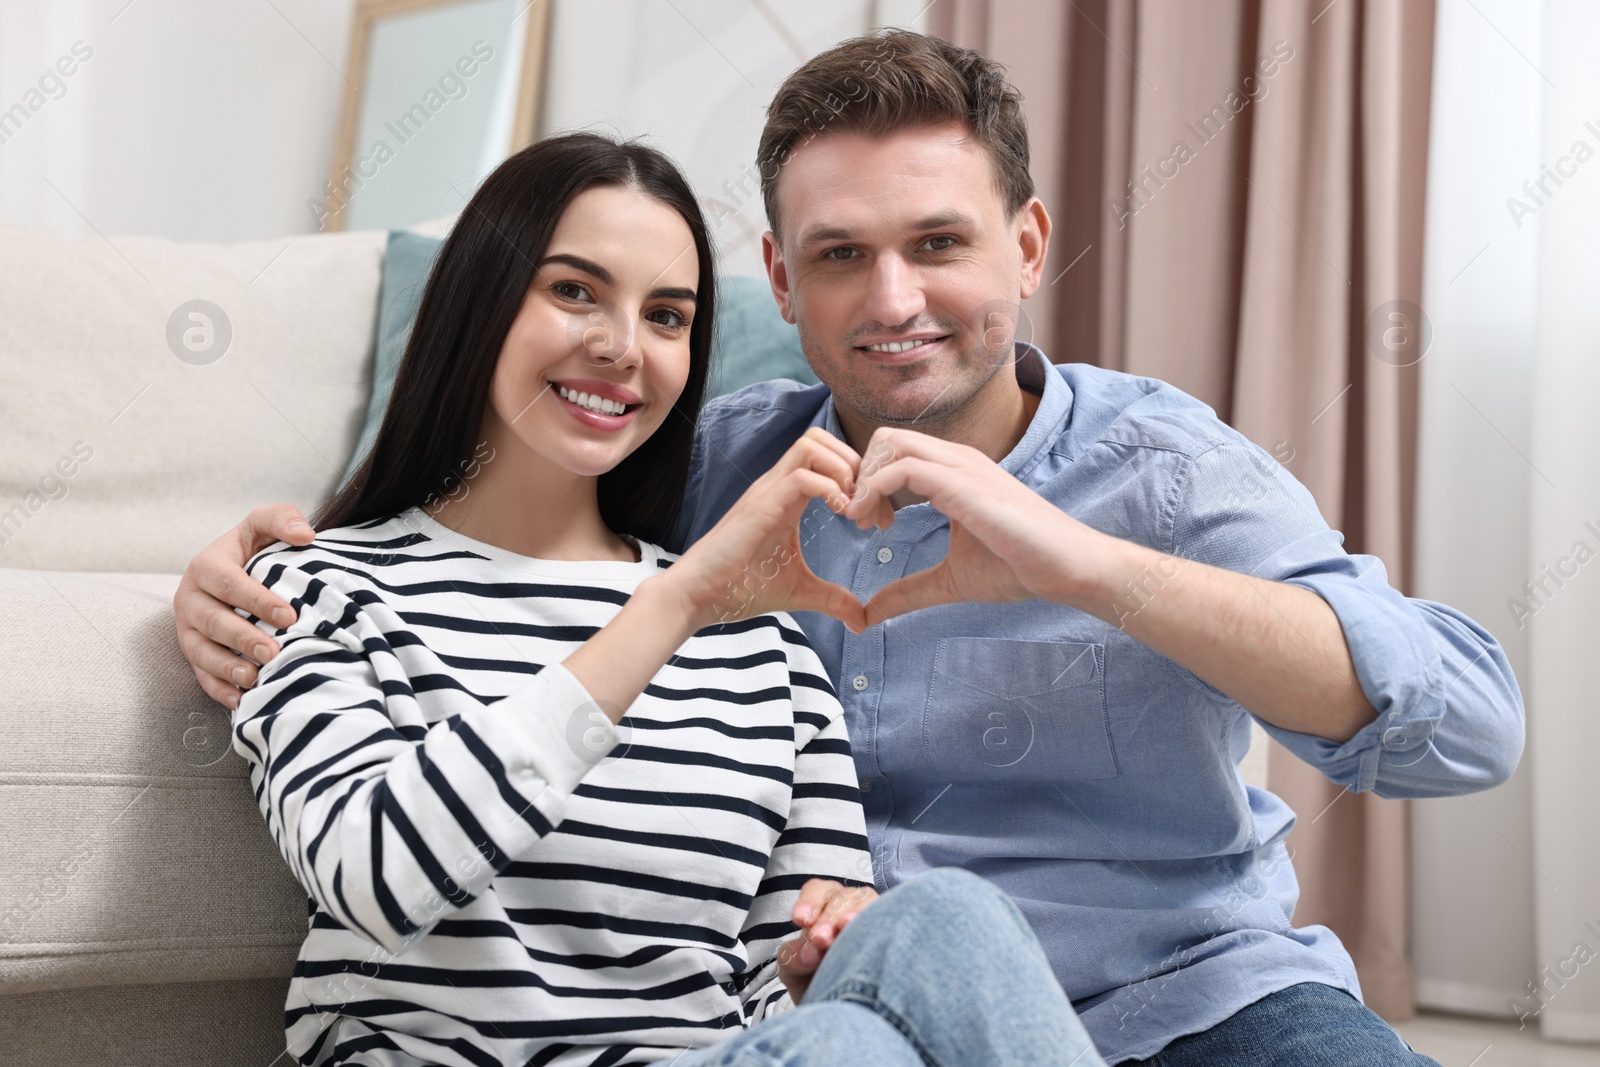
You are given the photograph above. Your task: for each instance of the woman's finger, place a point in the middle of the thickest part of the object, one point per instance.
(813, 898)
(841, 906)
(923, 589)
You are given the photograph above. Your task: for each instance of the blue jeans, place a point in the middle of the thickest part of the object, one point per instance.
(1307, 1025)
(943, 971)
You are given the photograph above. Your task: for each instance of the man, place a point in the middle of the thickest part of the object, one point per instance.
(1089, 584)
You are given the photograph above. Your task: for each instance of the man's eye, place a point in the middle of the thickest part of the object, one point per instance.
(570, 291)
(840, 254)
(938, 244)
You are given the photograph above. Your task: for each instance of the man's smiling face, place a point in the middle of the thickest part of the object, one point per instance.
(903, 269)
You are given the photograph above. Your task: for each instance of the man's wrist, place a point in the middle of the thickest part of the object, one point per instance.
(1119, 577)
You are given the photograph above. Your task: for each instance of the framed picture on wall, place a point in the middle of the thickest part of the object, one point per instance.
(440, 91)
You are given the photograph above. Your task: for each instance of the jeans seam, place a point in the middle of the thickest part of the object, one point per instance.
(866, 994)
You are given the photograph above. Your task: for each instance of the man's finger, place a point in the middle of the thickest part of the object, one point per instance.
(211, 659)
(221, 624)
(226, 695)
(268, 523)
(231, 586)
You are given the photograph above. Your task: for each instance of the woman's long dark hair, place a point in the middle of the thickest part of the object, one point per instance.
(429, 431)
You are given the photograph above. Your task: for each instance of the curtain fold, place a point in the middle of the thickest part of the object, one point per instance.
(1237, 189)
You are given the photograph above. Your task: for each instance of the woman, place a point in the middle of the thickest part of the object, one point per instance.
(554, 801)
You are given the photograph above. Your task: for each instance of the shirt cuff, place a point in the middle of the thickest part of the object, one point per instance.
(1397, 667)
(551, 729)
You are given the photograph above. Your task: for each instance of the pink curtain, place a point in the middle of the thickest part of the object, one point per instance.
(1237, 190)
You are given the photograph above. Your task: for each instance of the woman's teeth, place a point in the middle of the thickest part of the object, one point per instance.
(898, 346)
(593, 403)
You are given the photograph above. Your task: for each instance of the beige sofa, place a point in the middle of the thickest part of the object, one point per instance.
(145, 917)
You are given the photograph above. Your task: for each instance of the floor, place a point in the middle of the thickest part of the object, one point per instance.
(1458, 1041)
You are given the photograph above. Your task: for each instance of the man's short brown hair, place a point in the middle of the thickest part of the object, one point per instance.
(895, 80)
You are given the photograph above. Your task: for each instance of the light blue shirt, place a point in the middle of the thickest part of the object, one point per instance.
(1090, 777)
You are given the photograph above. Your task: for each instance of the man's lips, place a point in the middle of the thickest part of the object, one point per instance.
(902, 349)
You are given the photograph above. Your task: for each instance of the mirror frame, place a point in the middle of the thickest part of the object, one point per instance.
(530, 85)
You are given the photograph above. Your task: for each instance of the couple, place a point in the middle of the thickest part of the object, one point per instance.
(556, 801)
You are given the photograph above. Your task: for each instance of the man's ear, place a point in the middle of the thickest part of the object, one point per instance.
(777, 275)
(1033, 241)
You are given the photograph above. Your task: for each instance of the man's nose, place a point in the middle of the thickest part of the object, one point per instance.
(894, 291)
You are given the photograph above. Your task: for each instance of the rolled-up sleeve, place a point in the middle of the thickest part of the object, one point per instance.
(1450, 713)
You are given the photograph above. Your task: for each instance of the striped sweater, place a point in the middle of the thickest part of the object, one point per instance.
(497, 875)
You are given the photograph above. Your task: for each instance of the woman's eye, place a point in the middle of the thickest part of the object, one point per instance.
(668, 318)
(938, 244)
(570, 291)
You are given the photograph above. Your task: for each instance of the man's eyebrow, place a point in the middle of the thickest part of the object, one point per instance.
(944, 220)
(579, 263)
(939, 220)
(818, 234)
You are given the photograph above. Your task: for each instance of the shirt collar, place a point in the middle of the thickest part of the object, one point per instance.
(1034, 373)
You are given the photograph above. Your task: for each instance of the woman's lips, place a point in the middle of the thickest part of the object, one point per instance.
(595, 419)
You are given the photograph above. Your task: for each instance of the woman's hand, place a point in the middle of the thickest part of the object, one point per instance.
(824, 909)
(750, 562)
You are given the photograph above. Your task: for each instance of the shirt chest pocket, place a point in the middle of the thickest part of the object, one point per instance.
(1002, 710)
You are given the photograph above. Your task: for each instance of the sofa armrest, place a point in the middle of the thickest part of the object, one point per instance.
(135, 852)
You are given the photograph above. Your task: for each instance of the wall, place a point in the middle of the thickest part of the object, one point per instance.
(207, 121)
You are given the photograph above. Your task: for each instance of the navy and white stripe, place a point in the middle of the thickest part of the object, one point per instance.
(496, 875)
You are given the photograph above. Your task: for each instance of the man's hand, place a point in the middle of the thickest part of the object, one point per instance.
(1007, 543)
(824, 909)
(215, 582)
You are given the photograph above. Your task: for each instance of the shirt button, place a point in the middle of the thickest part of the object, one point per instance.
(859, 682)
(866, 785)
(885, 554)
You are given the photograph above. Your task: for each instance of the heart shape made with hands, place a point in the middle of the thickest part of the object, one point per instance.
(1006, 542)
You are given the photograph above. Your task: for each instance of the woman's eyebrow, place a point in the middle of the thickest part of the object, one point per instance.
(596, 270)
(579, 263)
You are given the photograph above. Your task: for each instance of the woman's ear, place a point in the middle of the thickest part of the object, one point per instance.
(1033, 241)
(777, 275)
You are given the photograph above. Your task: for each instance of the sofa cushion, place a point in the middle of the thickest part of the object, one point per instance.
(135, 433)
(135, 852)
(195, 1024)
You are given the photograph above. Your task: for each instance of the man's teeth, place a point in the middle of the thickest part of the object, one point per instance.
(899, 346)
(593, 403)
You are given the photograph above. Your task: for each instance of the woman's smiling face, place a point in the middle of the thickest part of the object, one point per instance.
(599, 350)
